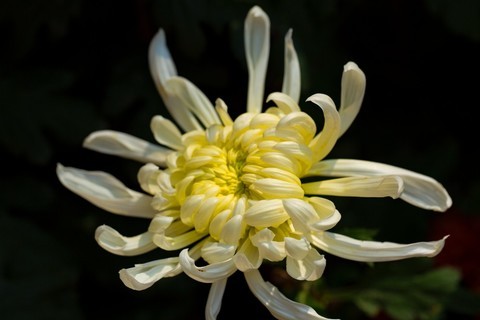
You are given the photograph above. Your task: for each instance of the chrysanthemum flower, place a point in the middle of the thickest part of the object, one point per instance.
(228, 194)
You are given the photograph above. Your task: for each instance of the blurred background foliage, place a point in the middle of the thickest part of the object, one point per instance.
(69, 67)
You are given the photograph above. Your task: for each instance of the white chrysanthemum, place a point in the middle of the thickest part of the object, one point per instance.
(229, 192)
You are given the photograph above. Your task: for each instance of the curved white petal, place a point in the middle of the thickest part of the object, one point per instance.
(106, 192)
(309, 268)
(353, 90)
(112, 241)
(372, 251)
(209, 273)
(323, 142)
(279, 306)
(267, 247)
(247, 257)
(190, 97)
(214, 301)
(284, 102)
(160, 61)
(126, 146)
(162, 69)
(143, 276)
(371, 187)
(257, 49)
(166, 132)
(291, 78)
(178, 241)
(419, 190)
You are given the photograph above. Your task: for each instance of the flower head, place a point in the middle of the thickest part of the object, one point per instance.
(228, 193)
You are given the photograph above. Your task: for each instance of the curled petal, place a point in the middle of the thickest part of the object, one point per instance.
(284, 102)
(269, 249)
(270, 188)
(112, 241)
(126, 146)
(222, 111)
(353, 90)
(309, 268)
(266, 213)
(257, 48)
(214, 301)
(166, 132)
(291, 78)
(247, 257)
(419, 190)
(279, 306)
(162, 69)
(323, 143)
(189, 97)
(370, 187)
(213, 252)
(209, 273)
(177, 242)
(372, 251)
(143, 276)
(106, 192)
(301, 213)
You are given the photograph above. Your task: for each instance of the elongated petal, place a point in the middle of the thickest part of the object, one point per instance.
(112, 241)
(353, 90)
(106, 192)
(209, 273)
(372, 251)
(323, 143)
(283, 101)
(160, 61)
(291, 78)
(191, 98)
(166, 132)
(143, 276)
(419, 190)
(279, 306)
(270, 188)
(177, 242)
(126, 146)
(257, 49)
(162, 69)
(214, 301)
(370, 187)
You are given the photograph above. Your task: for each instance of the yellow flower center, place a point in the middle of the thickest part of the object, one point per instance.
(257, 157)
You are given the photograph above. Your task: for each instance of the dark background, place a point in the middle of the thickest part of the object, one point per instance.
(68, 68)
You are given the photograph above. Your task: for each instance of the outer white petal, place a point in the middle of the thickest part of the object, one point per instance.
(209, 273)
(310, 268)
(247, 257)
(257, 49)
(353, 90)
(166, 132)
(106, 192)
(372, 251)
(112, 241)
(143, 276)
(279, 306)
(126, 146)
(323, 143)
(162, 70)
(190, 97)
(371, 187)
(291, 78)
(214, 301)
(419, 190)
